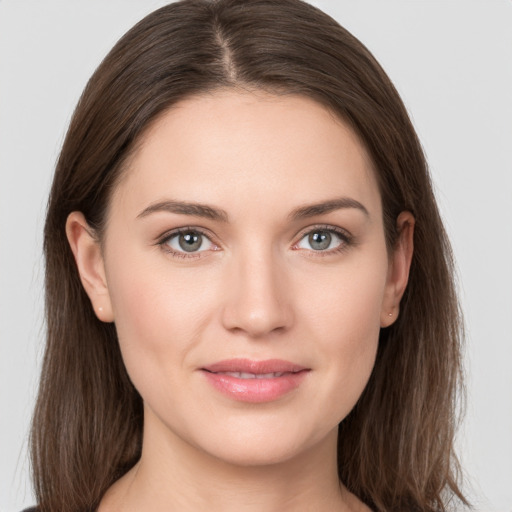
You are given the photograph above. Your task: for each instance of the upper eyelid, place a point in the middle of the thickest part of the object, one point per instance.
(163, 240)
(208, 233)
(346, 240)
(177, 231)
(324, 227)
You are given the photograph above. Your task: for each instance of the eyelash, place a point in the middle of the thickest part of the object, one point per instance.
(346, 238)
(164, 240)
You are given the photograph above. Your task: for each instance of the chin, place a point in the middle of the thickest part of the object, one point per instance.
(266, 445)
(256, 456)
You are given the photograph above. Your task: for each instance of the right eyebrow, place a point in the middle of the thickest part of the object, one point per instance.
(185, 208)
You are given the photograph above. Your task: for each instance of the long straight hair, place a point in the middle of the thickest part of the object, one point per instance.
(396, 446)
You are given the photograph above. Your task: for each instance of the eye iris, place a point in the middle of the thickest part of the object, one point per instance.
(320, 240)
(190, 241)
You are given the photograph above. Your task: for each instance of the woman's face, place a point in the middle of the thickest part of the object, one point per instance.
(246, 270)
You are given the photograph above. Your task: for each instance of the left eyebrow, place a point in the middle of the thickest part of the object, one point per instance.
(331, 205)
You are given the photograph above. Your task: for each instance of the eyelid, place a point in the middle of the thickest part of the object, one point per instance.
(346, 237)
(163, 240)
(344, 233)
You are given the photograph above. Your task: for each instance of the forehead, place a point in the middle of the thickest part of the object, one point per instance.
(233, 147)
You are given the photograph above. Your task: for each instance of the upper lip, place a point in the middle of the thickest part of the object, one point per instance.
(255, 367)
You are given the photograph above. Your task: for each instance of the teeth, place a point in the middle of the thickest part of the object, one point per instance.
(245, 375)
(269, 375)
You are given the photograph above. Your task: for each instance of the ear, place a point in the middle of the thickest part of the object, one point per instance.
(398, 271)
(89, 260)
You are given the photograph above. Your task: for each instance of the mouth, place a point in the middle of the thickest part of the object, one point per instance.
(255, 381)
(246, 375)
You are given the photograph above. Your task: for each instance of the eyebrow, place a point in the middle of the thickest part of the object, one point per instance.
(217, 214)
(340, 203)
(184, 208)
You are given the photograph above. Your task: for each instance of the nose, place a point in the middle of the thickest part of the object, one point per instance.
(258, 298)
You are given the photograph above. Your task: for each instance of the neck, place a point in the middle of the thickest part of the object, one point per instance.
(174, 475)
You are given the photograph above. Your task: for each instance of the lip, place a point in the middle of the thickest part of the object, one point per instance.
(260, 388)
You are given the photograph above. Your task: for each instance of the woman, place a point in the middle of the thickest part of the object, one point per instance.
(244, 305)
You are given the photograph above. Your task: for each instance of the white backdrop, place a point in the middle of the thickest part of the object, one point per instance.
(452, 62)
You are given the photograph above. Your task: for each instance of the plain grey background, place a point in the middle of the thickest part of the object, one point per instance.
(451, 60)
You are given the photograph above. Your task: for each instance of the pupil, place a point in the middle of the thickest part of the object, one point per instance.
(320, 240)
(190, 241)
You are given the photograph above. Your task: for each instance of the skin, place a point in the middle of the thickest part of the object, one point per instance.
(257, 288)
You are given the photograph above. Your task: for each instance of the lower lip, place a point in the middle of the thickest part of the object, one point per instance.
(255, 390)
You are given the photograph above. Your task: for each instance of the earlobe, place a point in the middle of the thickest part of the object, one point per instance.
(399, 266)
(89, 260)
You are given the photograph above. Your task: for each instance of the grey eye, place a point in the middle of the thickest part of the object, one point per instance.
(320, 240)
(189, 241)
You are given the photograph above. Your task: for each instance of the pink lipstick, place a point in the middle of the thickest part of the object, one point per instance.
(255, 381)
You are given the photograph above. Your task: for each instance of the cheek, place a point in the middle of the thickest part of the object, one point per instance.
(347, 301)
(345, 320)
(158, 316)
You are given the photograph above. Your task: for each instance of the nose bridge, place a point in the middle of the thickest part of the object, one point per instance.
(258, 301)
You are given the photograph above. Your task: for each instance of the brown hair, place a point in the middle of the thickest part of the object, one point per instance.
(396, 446)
